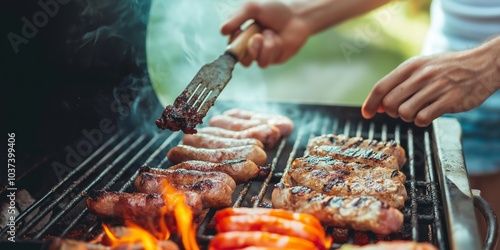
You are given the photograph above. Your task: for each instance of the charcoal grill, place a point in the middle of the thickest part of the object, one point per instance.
(440, 208)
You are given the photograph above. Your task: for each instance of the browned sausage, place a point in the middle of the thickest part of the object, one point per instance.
(182, 153)
(267, 134)
(214, 193)
(284, 124)
(240, 170)
(183, 176)
(212, 141)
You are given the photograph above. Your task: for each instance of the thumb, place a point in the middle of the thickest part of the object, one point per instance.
(249, 11)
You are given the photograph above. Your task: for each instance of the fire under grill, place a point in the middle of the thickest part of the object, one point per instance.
(435, 177)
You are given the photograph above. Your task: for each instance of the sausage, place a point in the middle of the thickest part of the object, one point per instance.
(267, 134)
(182, 153)
(241, 170)
(133, 205)
(183, 176)
(392, 245)
(280, 213)
(212, 141)
(234, 240)
(214, 193)
(272, 224)
(284, 124)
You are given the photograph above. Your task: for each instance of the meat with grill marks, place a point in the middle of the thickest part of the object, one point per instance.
(182, 153)
(363, 213)
(369, 147)
(341, 183)
(352, 168)
(211, 141)
(241, 170)
(267, 134)
(183, 176)
(214, 193)
(136, 205)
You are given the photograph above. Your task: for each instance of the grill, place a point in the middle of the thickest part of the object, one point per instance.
(440, 208)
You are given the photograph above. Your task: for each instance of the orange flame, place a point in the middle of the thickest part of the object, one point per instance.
(149, 241)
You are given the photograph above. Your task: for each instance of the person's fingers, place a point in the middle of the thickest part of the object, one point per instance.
(233, 36)
(249, 11)
(386, 84)
(254, 46)
(278, 48)
(267, 48)
(431, 112)
(409, 109)
(402, 92)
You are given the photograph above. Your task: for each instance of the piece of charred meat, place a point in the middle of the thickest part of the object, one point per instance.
(365, 156)
(178, 117)
(352, 168)
(211, 141)
(341, 183)
(267, 134)
(241, 170)
(363, 213)
(136, 205)
(284, 124)
(344, 143)
(182, 153)
(183, 176)
(214, 193)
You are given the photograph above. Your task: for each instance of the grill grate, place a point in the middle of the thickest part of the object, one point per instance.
(115, 164)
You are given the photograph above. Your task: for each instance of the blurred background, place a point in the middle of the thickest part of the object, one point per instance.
(337, 66)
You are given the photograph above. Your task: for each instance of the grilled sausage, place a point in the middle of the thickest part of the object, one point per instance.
(392, 245)
(284, 124)
(212, 141)
(182, 153)
(267, 134)
(339, 183)
(183, 176)
(236, 240)
(214, 193)
(352, 168)
(240, 170)
(132, 205)
(365, 156)
(280, 213)
(271, 224)
(364, 213)
(391, 148)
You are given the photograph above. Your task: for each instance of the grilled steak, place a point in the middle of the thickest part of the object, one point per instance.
(364, 213)
(365, 156)
(341, 183)
(344, 143)
(352, 168)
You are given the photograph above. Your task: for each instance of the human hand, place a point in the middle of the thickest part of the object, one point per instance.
(284, 32)
(426, 87)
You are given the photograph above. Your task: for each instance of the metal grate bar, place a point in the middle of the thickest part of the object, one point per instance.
(75, 184)
(243, 193)
(113, 181)
(63, 181)
(413, 192)
(438, 226)
(78, 198)
(291, 156)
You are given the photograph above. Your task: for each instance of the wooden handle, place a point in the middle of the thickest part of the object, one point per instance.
(239, 45)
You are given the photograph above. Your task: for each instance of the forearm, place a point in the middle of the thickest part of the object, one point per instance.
(491, 52)
(321, 14)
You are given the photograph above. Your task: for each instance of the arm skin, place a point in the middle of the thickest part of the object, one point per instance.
(426, 87)
(288, 24)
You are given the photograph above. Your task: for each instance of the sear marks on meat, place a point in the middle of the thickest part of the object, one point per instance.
(341, 183)
(214, 193)
(179, 118)
(182, 153)
(183, 176)
(135, 205)
(241, 170)
(363, 213)
(211, 141)
(365, 156)
(381, 148)
(352, 168)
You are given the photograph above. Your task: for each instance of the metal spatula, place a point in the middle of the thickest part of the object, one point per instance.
(193, 103)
